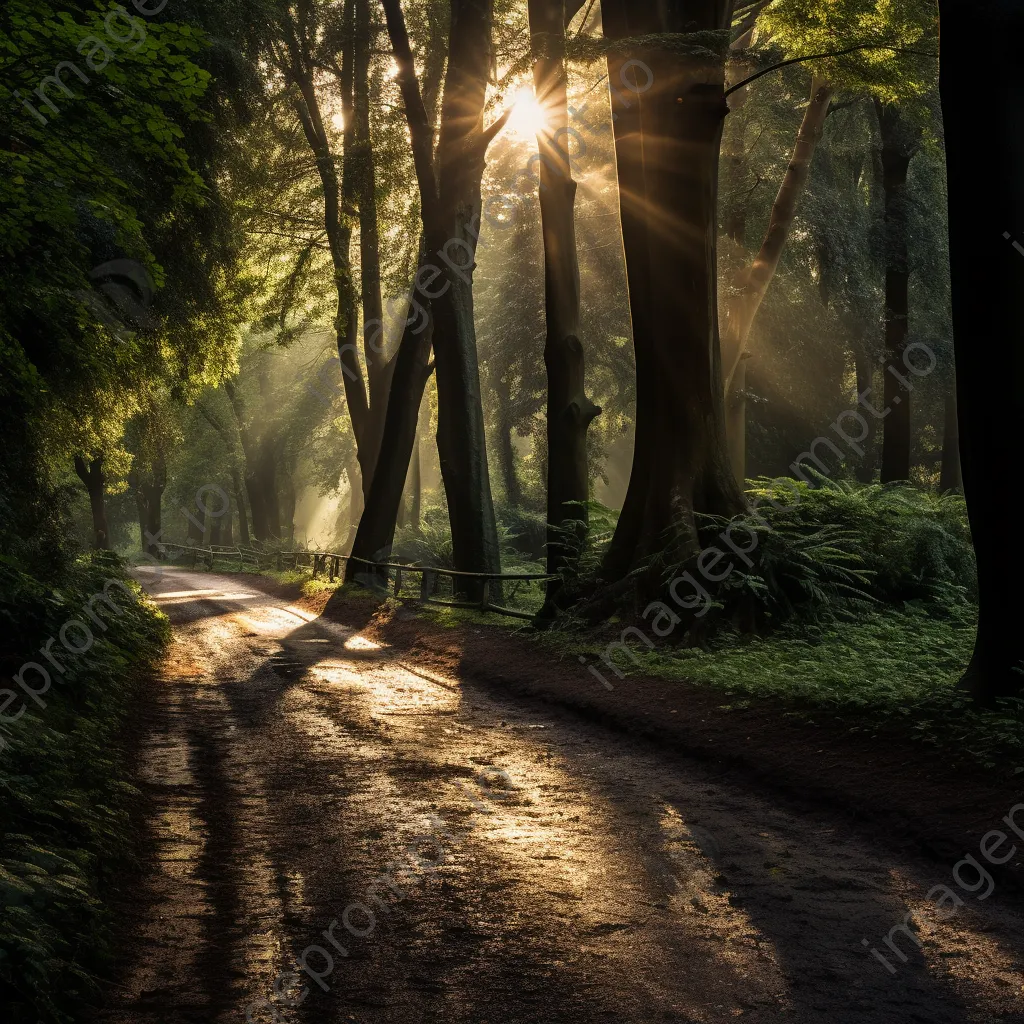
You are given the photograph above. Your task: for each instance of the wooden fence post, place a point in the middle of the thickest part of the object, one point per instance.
(485, 595)
(398, 581)
(425, 585)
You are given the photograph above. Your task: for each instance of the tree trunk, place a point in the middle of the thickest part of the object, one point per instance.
(378, 369)
(900, 141)
(376, 532)
(506, 452)
(196, 526)
(951, 478)
(450, 207)
(627, 133)
(461, 153)
(752, 283)
(680, 126)
(416, 487)
(251, 454)
(865, 370)
(986, 228)
(243, 523)
(336, 196)
(569, 411)
(93, 478)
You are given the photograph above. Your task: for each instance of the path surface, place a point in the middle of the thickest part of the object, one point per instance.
(548, 870)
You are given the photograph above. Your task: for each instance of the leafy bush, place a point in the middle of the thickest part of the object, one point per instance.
(831, 551)
(63, 804)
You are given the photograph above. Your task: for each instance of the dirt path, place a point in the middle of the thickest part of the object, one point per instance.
(493, 861)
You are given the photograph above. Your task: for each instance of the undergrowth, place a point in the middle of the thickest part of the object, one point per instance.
(64, 816)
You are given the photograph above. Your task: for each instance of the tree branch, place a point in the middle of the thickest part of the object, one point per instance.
(822, 56)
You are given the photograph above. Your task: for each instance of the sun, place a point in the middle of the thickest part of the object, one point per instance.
(528, 117)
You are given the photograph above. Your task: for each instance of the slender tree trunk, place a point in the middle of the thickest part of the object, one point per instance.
(416, 487)
(378, 368)
(243, 523)
(569, 411)
(865, 370)
(94, 479)
(215, 529)
(140, 504)
(951, 478)
(752, 283)
(251, 453)
(336, 196)
(376, 532)
(152, 493)
(506, 452)
(196, 526)
(986, 227)
(680, 122)
(900, 142)
(267, 480)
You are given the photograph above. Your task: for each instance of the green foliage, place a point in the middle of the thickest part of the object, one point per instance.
(831, 551)
(63, 806)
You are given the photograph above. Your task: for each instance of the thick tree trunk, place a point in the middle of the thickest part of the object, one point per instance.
(900, 141)
(626, 128)
(569, 411)
(680, 125)
(951, 478)
(752, 284)
(986, 228)
(94, 479)
(450, 205)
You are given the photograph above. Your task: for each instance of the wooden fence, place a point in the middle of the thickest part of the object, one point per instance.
(396, 575)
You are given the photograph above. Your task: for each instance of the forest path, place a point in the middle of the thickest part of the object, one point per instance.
(293, 769)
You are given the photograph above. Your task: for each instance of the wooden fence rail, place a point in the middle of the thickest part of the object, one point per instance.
(330, 562)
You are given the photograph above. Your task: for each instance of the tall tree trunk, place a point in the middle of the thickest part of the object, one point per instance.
(376, 531)
(251, 454)
(94, 479)
(450, 206)
(152, 494)
(135, 486)
(506, 452)
(416, 487)
(951, 477)
(378, 368)
(243, 523)
(569, 411)
(337, 196)
(680, 125)
(865, 370)
(751, 284)
(900, 141)
(196, 526)
(627, 132)
(267, 481)
(986, 228)
(455, 220)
